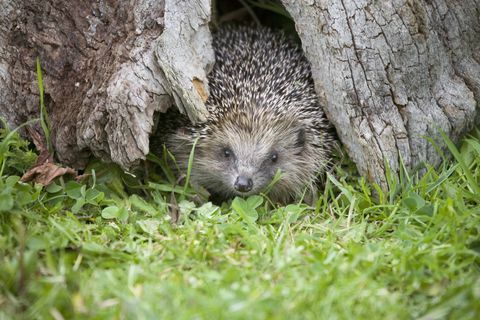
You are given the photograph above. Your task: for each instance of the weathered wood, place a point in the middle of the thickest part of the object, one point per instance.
(388, 72)
(393, 72)
(185, 55)
(103, 82)
(8, 100)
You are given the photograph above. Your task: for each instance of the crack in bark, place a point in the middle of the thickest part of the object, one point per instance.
(400, 81)
(365, 116)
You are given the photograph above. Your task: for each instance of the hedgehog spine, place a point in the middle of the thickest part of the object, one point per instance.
(264, 116)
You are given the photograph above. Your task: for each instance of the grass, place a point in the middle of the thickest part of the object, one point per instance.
(100, 250)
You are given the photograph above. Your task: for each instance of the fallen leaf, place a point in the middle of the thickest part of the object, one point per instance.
(46, 173)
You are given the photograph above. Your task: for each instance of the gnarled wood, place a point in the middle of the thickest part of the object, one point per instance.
(103, 81)
(392, 73)
(389, 73)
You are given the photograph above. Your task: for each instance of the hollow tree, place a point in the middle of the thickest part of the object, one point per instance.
(389, 73)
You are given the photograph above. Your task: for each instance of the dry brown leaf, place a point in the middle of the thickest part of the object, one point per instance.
(46, 173)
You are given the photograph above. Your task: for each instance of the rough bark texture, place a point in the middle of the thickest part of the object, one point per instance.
(388, 72)
(185, 55)
(102, 79)
(393, 72)
(7, 97)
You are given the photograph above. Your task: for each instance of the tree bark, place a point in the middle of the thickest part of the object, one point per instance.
(389, 73)
(108, 67)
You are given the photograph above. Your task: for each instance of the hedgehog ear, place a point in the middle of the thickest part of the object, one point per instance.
(301, 138)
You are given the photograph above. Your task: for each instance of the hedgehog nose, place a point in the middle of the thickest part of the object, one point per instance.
(243, 184)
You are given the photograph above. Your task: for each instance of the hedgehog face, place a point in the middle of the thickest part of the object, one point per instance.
(264, 116)
(241, 160)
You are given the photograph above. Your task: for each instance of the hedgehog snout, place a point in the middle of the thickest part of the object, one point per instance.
(243, 184)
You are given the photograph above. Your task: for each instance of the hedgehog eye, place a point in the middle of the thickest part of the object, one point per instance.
(274, 157)
(227, 153)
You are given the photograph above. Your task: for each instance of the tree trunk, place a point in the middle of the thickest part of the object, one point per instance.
(388, 73)
(391, 73)
(108, 66)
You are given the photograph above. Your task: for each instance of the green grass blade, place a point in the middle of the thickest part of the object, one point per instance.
(44, 121)
(190, 164)
(468, 174)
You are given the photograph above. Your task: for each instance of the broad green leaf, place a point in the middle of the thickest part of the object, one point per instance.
(254, 201)
(93, 196)
(53, 188)
(78, 205)
(149, 226)
(12, 181)
(110, 212)
(186, 207)
(142, 205)
(6, 202)
(23, 198)
(207, 210)
(244, 210)
(113, 212)
(74, 189)
(123, 214)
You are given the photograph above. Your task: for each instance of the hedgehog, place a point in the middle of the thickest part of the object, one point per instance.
(264, 118)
